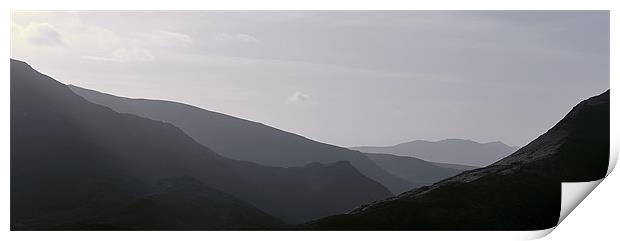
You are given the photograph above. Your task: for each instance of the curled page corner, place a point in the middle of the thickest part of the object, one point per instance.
(613, 156)
(503, 235)
(574, 193)
(534, 235)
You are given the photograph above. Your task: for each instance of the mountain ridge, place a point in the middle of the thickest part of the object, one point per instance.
(72, 159)
(416, 170)
(447, 151)
(240, 139)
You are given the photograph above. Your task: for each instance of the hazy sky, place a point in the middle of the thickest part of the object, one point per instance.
(346, 78)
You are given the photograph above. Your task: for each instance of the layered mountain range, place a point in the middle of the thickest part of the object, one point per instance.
(519, 192)
(416, 170)
(245, 140)
(73, 161)
(85, 160)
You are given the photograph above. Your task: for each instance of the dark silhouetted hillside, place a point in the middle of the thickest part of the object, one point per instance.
(182, 203)
(519, 192)
(244, 140)
(72, 161)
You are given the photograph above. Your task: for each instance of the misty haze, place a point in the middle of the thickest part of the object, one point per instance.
(304, 120)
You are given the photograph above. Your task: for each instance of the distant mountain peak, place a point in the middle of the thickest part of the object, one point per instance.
(459, 140)
(451, 151)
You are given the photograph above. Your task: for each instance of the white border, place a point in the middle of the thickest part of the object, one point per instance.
(600, 218)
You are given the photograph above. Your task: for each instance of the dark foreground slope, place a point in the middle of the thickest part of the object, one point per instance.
(416, 170)
(242, 139)
(182, 203)
(519, 192)
(72, 161)
(453, 151)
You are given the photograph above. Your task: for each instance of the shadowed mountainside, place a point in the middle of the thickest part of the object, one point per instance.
(416, 170)
(182, 203)
(452, 151)
(244, 140)
(72, 161)
(519, 192)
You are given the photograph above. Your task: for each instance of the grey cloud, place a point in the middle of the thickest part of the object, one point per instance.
(123, 55)
(168, 38)
(298, 97)
(235, 37)
(44, 34)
